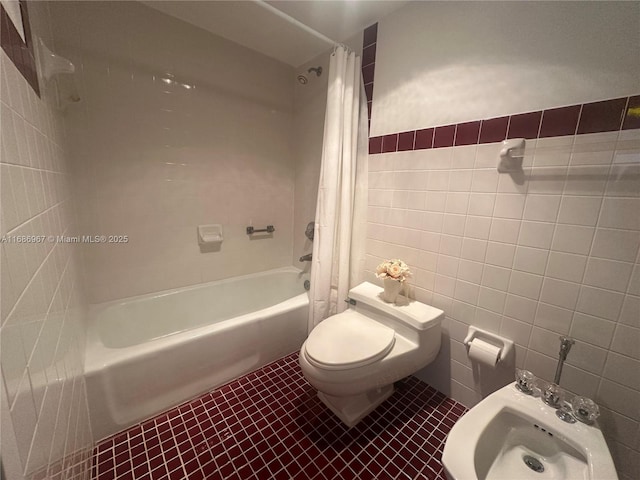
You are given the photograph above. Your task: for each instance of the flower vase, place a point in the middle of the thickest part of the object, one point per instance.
(392, 289)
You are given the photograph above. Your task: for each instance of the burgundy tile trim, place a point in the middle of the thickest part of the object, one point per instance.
(561, 121)
(603, 116)
(370, 35)
(467, 133)
(375, 145)
(367, 73)
(368, 90)
(424, 138)
(369, 39)
(494, 130)
(390, 143)
(525, 125)
(369, 55)
(20, 52)
(632, 113)
(444, 136)
(406, 141)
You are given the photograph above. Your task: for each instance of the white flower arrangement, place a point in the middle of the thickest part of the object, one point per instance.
(394, 269)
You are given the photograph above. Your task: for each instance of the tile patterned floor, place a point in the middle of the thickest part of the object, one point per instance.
(270, 424)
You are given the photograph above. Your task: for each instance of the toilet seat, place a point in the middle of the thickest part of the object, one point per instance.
(348, 340)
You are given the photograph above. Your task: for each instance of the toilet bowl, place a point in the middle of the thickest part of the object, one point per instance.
(353, 358)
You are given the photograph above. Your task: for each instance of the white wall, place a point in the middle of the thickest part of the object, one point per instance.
(154, 160)
(450, 62)
(558, 254)
(45, 424)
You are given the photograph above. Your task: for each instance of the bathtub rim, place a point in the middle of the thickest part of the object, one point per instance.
(98, 356)
(95, 308)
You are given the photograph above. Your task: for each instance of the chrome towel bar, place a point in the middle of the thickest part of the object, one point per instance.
(269, 229)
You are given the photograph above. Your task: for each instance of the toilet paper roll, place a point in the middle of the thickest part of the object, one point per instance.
(484, 353)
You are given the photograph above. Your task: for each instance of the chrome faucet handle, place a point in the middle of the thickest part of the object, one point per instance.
(552, 395)
(525, 381)
(585, 409)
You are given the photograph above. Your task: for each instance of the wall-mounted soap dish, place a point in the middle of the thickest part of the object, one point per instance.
(210, 234)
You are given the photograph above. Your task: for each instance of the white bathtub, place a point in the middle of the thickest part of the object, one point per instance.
(151, 352)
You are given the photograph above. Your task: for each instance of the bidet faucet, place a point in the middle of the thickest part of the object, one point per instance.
(306, 258)
(565, 346)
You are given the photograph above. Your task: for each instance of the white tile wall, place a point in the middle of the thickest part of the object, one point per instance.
(45, 430)
(557, 255)
(154, 159)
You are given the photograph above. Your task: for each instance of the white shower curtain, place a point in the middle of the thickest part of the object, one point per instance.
(340, 224)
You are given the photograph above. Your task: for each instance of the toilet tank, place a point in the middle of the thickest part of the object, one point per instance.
(414, 320)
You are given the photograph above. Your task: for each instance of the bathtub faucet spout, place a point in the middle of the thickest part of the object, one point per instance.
(306, 258)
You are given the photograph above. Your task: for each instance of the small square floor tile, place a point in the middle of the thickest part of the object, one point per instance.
(270, 424)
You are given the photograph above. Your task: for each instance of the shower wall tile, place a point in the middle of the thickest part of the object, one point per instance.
(165, 140)
(45, 418)
(555, 252)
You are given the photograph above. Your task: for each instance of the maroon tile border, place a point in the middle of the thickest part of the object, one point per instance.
(525, 125)
(369, 43)
(20, 52)
(375, 145)
(558, 122)
(494, 130)
(444, 136)
(406, 141)
(390, 143)
(424, 138)
(467, 133)
(632, 114)
(605, 116)
(370, 35)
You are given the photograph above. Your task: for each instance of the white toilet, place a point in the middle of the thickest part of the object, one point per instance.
(353, 358)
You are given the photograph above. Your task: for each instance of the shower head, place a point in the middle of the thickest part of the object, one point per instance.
(303, 79)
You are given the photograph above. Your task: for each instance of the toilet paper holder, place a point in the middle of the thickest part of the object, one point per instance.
(505, 345)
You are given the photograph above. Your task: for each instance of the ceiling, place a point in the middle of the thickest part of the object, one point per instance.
(251, 23)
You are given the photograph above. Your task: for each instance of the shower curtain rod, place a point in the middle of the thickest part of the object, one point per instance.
(295, 22)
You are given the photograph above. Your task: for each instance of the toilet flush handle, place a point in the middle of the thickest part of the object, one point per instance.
(350, 301)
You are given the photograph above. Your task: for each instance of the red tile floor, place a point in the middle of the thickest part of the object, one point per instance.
(270, 424)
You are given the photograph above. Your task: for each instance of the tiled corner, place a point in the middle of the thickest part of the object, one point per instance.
(270, 424)
(42, 326)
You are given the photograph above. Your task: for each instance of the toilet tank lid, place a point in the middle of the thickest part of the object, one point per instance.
(416, 314)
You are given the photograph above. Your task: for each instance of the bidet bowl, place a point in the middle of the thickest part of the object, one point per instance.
(512, 435)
